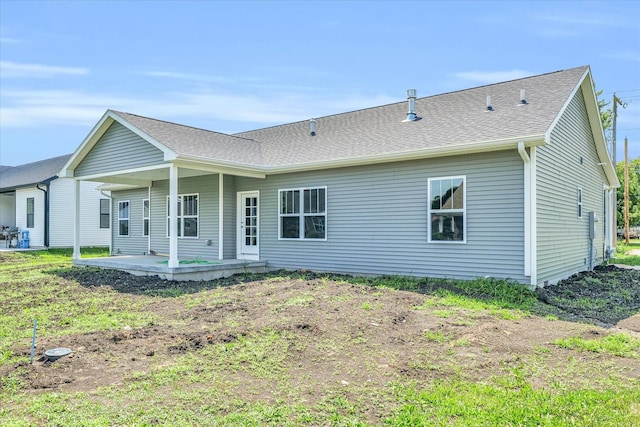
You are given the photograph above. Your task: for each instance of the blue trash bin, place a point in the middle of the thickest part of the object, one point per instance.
(25, 243)
(24, 235)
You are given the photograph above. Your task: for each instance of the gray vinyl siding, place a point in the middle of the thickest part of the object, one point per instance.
(230, 222)
(135, 243)
(119, 149)
(562, 237)
(377, 219)
(206, 187)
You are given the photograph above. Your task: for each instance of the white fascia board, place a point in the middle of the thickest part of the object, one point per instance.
(168, 153)
(114, 175)
(591, 104)
(87, 144)
(68, 170)
(591, 100)
(479, 147)
(547, 135)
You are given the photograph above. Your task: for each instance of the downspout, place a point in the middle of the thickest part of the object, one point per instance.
(529, 213)
(46, 212)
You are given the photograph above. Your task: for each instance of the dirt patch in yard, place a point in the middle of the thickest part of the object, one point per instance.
(339, 334)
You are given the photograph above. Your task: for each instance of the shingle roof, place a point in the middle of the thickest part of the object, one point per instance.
(447, 121)
(196, 142)
(31, 173)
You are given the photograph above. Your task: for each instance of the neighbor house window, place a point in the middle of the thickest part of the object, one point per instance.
(187, 215)
(303, 213)
(145, 217)
(123, 218)
(447, 209)
(104, 213)
(579, 202)
(30, 211)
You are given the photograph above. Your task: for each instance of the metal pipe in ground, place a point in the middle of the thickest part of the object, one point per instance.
(33, 340)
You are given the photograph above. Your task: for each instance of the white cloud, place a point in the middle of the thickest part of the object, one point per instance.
(8, 40)
(486, 77)
(186, 76)
(572, 18)
(35, 108)
(59, 107)
(624, 55)
(13, 69)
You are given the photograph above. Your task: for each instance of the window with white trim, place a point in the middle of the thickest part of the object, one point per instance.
(447, 209)
(123, 218)
(187, 215)
(579, 202)
(145, 217)
(105, 216)
(30, 212)
(303, 213)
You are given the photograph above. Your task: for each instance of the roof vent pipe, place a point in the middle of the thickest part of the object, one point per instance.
(523, 100)
(489, 106)
(312, 126)
(411, 114)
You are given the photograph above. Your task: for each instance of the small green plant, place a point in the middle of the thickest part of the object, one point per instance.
(437, 336)
(617, 344)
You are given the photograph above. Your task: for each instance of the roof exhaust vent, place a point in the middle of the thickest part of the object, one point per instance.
(489, 106)
(523, 99)
(411, 114)
(312, 127)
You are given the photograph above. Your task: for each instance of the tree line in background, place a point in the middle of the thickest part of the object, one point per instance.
(634, 193)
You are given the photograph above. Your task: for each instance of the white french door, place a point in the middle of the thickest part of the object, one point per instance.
(248, 226)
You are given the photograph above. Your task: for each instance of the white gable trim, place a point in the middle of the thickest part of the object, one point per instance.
(109, 117)
(591, 101)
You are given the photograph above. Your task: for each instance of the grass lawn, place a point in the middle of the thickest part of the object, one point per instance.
(622, 255)
(289, 349)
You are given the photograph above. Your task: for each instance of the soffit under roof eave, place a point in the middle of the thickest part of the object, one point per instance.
(475, 148)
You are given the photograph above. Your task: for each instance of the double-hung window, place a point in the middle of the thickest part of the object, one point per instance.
(187, 215)
(123, 218)
(303, 213)
(145, 217)
(30, 212)
(447, 209)
(104, 213)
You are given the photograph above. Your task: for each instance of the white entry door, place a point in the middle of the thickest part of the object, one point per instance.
(248, 232)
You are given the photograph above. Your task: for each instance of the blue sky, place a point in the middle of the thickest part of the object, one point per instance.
(235, 66)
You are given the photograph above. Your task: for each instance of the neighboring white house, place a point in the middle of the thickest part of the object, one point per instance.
(34, 198)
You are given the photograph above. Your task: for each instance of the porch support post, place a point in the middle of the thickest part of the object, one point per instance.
(173, 216)
(76, 222)
(220, 216)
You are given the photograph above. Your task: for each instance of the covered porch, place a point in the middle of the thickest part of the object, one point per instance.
(170, 194)
(154, 265)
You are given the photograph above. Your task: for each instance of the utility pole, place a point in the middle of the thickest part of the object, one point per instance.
(616, 101)
(614, 156)
(626, 191)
